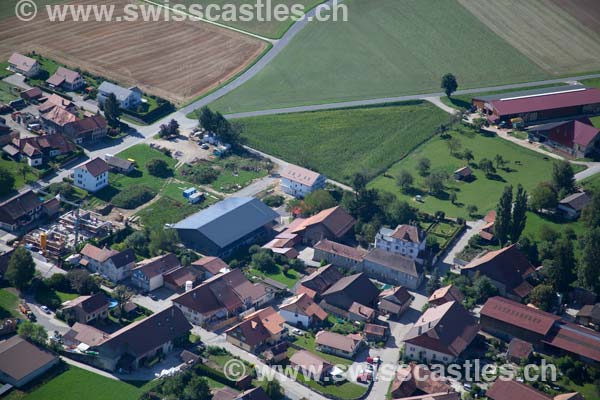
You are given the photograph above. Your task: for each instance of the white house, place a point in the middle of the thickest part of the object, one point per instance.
(91, 176)
(115, 265)
(299, 182)
(148, 274)
(23, 65)
(66, 78)
(406, 240)
(127, 98)
(301, 310)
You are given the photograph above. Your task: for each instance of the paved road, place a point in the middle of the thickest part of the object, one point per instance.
(426, 96)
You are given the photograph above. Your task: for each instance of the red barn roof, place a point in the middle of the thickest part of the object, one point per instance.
(547, 101)
(520, 315)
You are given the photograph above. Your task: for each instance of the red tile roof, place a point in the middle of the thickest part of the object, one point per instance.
(300, 175)
(520, 315)
(519, 349)
(511, 390)
(303, 303)
(334, 340)
(96, 167)
(551, 101)
(335, 219)
(508, 266)
(213, 265)
(576, 339)
(342, 250)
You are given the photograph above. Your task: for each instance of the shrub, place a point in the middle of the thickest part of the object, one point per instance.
(274, 200)
(159, 168)
(133, 197)
(203, 174)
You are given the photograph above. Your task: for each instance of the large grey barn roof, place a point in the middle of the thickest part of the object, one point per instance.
(229, 220)
(531, 92)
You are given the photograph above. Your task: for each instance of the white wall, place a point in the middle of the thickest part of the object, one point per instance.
(84, 180)
(292, 318)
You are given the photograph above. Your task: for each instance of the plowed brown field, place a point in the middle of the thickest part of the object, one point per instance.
(175, 60)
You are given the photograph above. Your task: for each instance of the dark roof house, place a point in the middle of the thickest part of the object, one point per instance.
(507, 268)
(21, 361)
(223, 227)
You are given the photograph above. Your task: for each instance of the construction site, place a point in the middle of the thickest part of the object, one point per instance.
(60, 238)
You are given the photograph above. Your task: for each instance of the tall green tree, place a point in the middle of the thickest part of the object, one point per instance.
(563, 177)
(588, 271)
(7, 181)
(560, 270)
(122, 295)
(274, 390)
(544, 297)
(434, 282)
(449, 84)
(519, 214)
(502, 227)
(112, 111)
(590, 216)
(543, 197)
(21, 268)
(33, 332)
(207, 119)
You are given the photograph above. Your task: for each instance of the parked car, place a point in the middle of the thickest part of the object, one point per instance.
(297, 332)
(45, 309)
(153, 297)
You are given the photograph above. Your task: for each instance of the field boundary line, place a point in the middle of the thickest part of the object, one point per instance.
(197, 18)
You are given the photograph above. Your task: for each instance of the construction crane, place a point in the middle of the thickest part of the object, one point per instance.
(71, 203)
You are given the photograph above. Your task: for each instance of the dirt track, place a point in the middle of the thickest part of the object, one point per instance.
(175, 60)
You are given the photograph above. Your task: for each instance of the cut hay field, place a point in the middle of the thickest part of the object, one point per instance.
(387, 48)
(561, 40)
(174, 60)
(272, 29)
(340, 143)
(523, 166)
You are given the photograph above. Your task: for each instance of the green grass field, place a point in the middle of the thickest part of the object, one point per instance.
(77, 384)
(483, 192)
(8, 304)
(270, 28)
(386, 48)
(340, 143)
(289, 280)
(8, 93)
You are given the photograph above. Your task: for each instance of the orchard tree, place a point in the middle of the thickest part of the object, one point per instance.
(543, 197)
(563, 177)
(449, 84)
(405, 180)
(423, 166)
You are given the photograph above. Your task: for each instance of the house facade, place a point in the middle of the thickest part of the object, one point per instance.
(66, 79)
(406, 240)
(86, 309)
(115, 265)
(91, 176)
(393, 268)
(301, 310)
(148, 275)
(299, 182)
(21, 210)
(127, 98)
(87, 130)
(23, 65)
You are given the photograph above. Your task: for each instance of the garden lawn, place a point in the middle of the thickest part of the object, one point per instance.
(77, 384)
(13, 168)
(141, 153)
(271, 28)
(593, 182)
(386, 48)
(482, 192)
(8, 93)
(340, 143)
(346, 391)
(289, 280)
(8, 304)
(307, 342)
(168, 211)
(536, 221)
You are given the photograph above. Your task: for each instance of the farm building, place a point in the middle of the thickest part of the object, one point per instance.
(227, 225)
(21, 361)
(578, 138)
(572, 205)
(539, 105)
